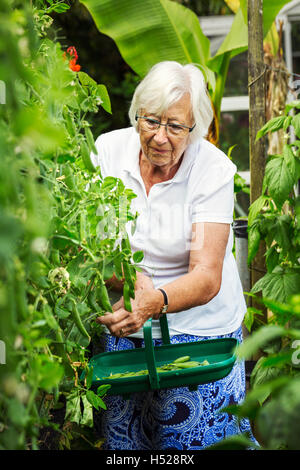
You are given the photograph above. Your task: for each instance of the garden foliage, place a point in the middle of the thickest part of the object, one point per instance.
(63, 229)
(273, 403)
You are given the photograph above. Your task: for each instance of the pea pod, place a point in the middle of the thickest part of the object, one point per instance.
(83, 226)
(187, 365)
(133, 272)
(128, 275)
(69, 121)
(86, 158)
(92, 301)
(69, 178)
(90, 140)
(126, 297)
(126, 244)
(118, 266)
(164, 368)
(21, 298)
(78, 321)
(55, 393)
(55, 258)
(182, 359)
(204, 363)
(104, 298)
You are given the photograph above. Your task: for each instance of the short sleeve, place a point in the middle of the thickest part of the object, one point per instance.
(213, 196)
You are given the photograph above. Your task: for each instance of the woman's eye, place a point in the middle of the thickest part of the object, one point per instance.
(175, 127)
(152, 122)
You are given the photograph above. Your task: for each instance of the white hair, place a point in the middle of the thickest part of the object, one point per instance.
(164, 85)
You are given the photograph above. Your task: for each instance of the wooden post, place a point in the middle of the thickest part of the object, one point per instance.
(256, 87)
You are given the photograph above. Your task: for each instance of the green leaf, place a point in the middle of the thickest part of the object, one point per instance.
(258, 339)
(279, 179)
(276, 422)
(297, 212)
(89, 377)
(138, 256)
(289, 158)
(74, 269)
(152, 31)
(17, 413)
(103, 95)
(270, 10)
(87, 414)
(251, 407)
(256, 207)
(271, 126)
(292, 105)
(283, 232)
(51, 374)
(60, 8)
(103, 389)
(249, 317)
(287, 122)
(234, 43)
(296, 124)
(277, 360)
(279, 285)
(73, 410)
(272, 258)
(109, 183)
(254, 238)
(42, 342)
(86, 80)
(95, 401)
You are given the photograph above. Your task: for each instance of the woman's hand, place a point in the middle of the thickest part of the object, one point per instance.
(142, 282)
(146, 304)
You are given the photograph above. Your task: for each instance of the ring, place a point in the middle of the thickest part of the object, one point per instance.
(121, 332)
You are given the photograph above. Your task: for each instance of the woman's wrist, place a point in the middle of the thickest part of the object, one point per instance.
(158, 303)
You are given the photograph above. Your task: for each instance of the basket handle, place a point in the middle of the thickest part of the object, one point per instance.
(149, 350)
(150, 357)
(164, 329)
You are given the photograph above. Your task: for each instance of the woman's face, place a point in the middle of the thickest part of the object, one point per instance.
(159, 148)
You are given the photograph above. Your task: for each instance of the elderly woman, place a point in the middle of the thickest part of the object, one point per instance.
(184, 188)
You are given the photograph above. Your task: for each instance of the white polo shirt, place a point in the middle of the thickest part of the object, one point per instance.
(200, 191)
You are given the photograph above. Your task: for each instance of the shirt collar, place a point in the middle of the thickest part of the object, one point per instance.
(133, 166)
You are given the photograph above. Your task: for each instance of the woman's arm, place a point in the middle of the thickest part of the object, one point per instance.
(197, 287)
(203, 280)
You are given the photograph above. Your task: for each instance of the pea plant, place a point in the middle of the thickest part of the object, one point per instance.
(63, 231)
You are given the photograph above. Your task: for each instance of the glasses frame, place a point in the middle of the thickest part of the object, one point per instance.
(161, 124)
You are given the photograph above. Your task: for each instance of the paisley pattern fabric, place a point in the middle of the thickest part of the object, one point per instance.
(173, 418)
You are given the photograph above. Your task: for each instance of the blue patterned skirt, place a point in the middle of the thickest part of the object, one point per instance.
(173, 418)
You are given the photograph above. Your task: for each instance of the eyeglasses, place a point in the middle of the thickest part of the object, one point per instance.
(176, 130)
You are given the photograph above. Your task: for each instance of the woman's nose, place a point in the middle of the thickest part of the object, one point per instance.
(161, 135)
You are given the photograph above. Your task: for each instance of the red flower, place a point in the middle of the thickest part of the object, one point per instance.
(72, 56)
(72, 51)
(73, 66)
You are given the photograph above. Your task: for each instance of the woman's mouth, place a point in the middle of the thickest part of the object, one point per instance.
(162, 151)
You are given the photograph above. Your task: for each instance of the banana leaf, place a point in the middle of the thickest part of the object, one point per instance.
(236, 40)
(150, 31)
